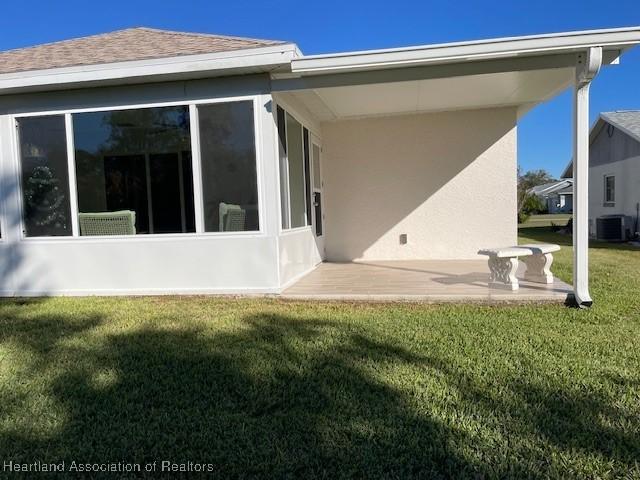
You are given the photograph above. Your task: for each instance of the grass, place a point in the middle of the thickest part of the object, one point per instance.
(546, 220)
(270, 389)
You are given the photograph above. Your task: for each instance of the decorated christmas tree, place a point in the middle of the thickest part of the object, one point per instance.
(44, 200)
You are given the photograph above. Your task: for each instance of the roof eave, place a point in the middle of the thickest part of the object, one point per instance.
(614, 41)
(265, 59)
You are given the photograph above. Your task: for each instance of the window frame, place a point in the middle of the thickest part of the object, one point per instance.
(311, 133)
(607, 202)
(3, 211)
(18, 170)
(195, 162)
(283, 171)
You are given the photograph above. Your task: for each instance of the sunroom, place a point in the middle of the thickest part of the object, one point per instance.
(241, 170)
(138, 197)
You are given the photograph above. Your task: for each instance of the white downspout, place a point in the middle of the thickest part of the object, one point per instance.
(587, 66)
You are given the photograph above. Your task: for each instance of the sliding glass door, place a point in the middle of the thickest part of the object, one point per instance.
(317, 197)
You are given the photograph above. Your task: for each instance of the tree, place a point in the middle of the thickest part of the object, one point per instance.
(529, 203)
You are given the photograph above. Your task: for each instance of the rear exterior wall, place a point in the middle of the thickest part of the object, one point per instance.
(445, 180)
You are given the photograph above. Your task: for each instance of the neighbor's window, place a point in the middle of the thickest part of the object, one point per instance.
(228, 159)
(609, 189)
(294, 171)
(45, 176)
(133, 171)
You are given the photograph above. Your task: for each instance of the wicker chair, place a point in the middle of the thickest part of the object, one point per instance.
(108, 223)
(232, 218)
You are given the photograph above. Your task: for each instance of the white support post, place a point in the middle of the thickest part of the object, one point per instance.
(587, 66)
(196, 165)
(71, 165)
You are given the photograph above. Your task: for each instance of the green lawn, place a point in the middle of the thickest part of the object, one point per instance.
(265, 388)
(546, 220)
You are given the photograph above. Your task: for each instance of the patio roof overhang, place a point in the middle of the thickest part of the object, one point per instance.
(508, 72)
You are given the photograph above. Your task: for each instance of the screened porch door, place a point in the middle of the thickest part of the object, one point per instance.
(317, 195)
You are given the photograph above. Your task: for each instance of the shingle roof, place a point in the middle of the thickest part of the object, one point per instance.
(626, 120)
(541, 188)
(120, 46)
(554, 187)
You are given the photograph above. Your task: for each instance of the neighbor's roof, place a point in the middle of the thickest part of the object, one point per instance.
(627, 121)
(541, 188)
(120, 46)
(553, 187)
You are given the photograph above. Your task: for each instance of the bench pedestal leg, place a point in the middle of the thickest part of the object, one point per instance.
(539, 268)
(503, 273)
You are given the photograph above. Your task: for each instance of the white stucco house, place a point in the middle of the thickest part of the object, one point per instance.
(148, 161)
(614, 175)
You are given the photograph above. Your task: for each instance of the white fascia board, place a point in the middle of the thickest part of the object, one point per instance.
(557, 43)
(267, 58)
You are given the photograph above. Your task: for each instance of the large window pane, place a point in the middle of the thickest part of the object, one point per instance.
(134, 166)
(45, 176)
(284, 177)
(228, 159)
(296, 173)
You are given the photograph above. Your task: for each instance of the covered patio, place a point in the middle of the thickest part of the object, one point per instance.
(419, 160)
(436, 281)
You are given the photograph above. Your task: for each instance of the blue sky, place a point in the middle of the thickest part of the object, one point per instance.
(329, 26)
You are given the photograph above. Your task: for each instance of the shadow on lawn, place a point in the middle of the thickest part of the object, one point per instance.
(274, 401)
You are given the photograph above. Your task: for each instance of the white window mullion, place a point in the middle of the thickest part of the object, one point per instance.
(71, 164)
(198, 201)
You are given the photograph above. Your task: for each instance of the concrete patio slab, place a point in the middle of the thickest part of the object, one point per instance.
(417, 281)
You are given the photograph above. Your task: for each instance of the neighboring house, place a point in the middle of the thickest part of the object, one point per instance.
(556, 196)
(614, 170)
(149, 161)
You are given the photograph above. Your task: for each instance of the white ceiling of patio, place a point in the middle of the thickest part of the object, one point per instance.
(520, 88)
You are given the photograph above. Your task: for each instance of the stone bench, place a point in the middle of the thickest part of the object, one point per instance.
(539, 263)
(503, 264)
